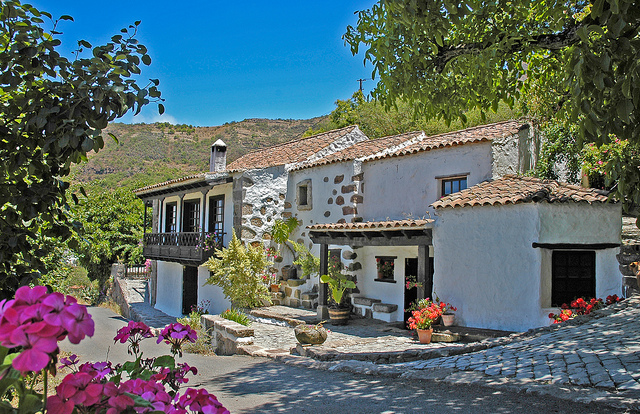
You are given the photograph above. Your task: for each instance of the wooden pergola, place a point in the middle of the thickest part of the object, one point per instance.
(375, 233)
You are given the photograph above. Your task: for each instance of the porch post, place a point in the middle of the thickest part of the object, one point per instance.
(323, 291)
(144, 223)
(424, 273)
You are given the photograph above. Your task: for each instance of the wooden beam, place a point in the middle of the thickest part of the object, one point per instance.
(323, 288)
(324, 238)
(575, 246)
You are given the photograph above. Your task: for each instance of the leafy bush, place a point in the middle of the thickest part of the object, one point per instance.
(236, 316)
(309, 264)
(202, 345)
(239, 271)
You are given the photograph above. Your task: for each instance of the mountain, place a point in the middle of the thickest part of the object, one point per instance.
(151, 153)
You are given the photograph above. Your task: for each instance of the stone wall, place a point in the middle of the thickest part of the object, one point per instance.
(227, 336)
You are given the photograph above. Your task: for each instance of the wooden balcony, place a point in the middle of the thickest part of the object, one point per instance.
(186, 248)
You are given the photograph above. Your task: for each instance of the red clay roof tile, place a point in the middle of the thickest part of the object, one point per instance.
(512, 189)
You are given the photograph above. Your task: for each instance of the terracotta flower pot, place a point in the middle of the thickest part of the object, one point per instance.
(424, 335)
(448, 319)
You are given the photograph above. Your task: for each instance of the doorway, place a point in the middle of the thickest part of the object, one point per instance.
(189, 288)
(411, 294)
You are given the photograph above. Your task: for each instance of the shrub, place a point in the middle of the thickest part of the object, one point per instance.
(202, 345)
(236, 316)
(239, 271)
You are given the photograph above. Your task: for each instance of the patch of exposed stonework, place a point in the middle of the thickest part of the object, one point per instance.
(348, 210)
(348, 188)
(339, 200)
(334, 192)
(287, 204)
(247, 209)
(357, 198)
(325, 179)
(257, 221)
(342, 220)
(338, 179)
(286, 214)
(247, 234)
(281, 196)
(330, 200)
(349, 255)
(358, 177)
(263, 210)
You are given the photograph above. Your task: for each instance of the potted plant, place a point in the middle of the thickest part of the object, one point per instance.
(448, 315)
(338, 283)
(422, 319)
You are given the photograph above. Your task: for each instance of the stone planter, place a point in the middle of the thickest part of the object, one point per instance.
(339, 316)
(310, 334)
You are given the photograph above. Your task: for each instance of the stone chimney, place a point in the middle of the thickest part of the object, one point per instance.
(218, 160)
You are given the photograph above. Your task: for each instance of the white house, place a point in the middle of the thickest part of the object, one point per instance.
(512, 250)
(195, 212)
(379, 206)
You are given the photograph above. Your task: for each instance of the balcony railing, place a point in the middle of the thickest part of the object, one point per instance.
(185, 248)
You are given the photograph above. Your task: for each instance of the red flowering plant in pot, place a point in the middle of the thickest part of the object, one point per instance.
(423, 318)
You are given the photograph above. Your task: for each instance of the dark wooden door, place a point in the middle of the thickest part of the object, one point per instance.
(189, 288)
(410, 295)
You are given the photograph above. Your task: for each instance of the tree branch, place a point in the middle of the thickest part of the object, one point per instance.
(554, 41)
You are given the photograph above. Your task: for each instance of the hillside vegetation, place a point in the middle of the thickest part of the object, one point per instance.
(151, 153)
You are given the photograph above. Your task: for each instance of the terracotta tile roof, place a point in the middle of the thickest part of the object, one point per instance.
(194, 177)
(373, 225)
(289, 152)
(512, 189)
(450, 139)
(363, 149)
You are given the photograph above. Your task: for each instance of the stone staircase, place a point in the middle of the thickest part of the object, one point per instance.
(629, 253)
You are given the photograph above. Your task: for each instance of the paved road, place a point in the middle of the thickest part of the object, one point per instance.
(260, 385)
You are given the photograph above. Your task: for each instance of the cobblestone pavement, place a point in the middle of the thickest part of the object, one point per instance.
(602, 352)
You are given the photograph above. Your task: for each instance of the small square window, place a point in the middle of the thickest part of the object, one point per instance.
(386, 268)
(303, 195)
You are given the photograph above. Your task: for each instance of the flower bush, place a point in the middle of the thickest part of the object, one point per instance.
(412, 282)
(32, 324)
(424, 317)
(581, 306)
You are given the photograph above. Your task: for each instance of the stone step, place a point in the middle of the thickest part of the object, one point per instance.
(384, 307)
(309, 296)
(365, 301)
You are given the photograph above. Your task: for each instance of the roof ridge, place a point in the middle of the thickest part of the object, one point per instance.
(296, 140)
(475, 128)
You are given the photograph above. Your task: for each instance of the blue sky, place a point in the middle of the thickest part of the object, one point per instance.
(226, 61)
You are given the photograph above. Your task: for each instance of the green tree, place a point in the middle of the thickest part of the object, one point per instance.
(575, 63)
(446, 57)
(112, 227)
(53, 112)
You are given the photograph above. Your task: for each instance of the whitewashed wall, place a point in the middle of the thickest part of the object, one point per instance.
(169, 299)
(486, 266)
(398, 187)
(211, 293)
(392, 293)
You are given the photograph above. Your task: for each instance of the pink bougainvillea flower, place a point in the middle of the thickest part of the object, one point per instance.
(200, 401)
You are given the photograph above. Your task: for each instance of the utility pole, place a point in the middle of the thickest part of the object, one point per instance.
(361, 80)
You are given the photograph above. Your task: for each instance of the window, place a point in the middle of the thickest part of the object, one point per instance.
(170, 218)
(573, 275)
(303, 195)
(216, 214)
(453, 185)
(386, 268)
(191, 216)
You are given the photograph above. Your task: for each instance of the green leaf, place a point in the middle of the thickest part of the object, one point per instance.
(160, 109)
(166, 361)
(146, 59)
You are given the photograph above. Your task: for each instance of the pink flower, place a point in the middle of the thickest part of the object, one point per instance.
(36, 351)
(200, 401)
(176, 334)
(78, 323)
